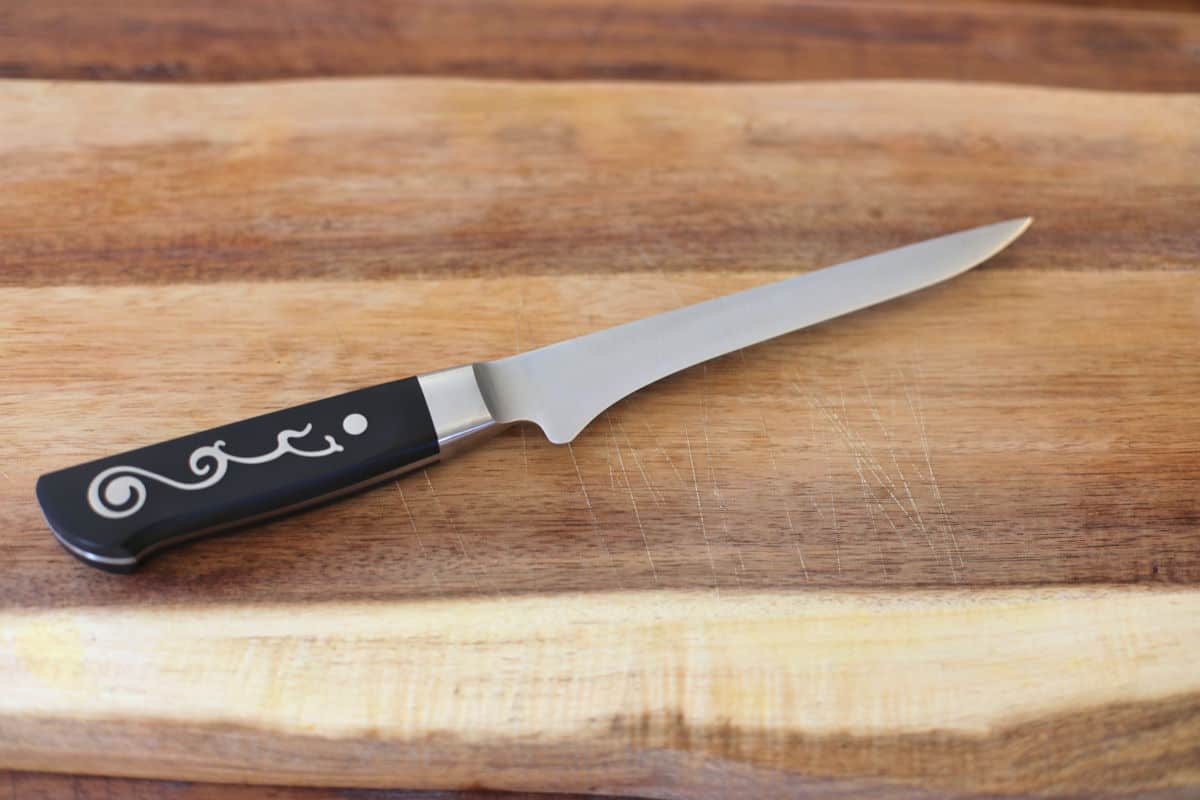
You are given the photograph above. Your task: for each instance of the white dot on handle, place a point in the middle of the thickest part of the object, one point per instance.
(354, 424)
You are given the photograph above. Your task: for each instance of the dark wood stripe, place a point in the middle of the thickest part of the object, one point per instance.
(1093, 46)
(1149, 5)
(1007, 428)
(1145, 749)
(49, 786)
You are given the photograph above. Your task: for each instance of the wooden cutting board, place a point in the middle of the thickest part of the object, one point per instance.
(947, 545)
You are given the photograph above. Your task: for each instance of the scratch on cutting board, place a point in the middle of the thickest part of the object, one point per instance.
(872, 499)
(837, 534)
(858, 465)
(812, 429)
(712, 566)
(787, 511)
(878, 507)
(638, 463)
(891, 446)
(420, 543)
(857, 445)
(839, 429)
(860, 449)
(827, 448)
(937, 489)
(612, 473)
(1027, 541)
(445, 514)
(637, 515)
(587, 499)
(462, 547)
(918, 412)
(612, 447)
(712, 476)
(670, 461)
(867, 503)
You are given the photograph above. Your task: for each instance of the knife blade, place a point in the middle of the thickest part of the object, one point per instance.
(114, 512)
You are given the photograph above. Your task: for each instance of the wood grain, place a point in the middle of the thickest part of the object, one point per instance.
(1093, 46)
(380, 178)
(942, 547)
(888, 691)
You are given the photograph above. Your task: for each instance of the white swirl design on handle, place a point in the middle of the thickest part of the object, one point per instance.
(109, 492)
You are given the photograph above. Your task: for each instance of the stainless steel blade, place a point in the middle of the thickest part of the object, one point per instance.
(564, 386)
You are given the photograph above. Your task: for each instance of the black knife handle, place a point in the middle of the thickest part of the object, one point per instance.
(114, 512)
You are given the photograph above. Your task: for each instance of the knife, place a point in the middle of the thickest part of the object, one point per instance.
(114, 512)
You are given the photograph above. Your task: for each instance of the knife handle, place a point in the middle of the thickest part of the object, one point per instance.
(114, 512)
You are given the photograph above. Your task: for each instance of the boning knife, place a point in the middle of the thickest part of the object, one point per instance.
(114, 512)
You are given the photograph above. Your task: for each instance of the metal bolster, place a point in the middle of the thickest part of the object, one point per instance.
(460, 414)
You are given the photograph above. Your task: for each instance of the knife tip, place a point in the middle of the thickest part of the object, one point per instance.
(1018, 225)
(977, 245)
(1010, 230)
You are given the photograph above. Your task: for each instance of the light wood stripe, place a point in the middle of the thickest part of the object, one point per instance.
(380, 178)
(751, 678)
